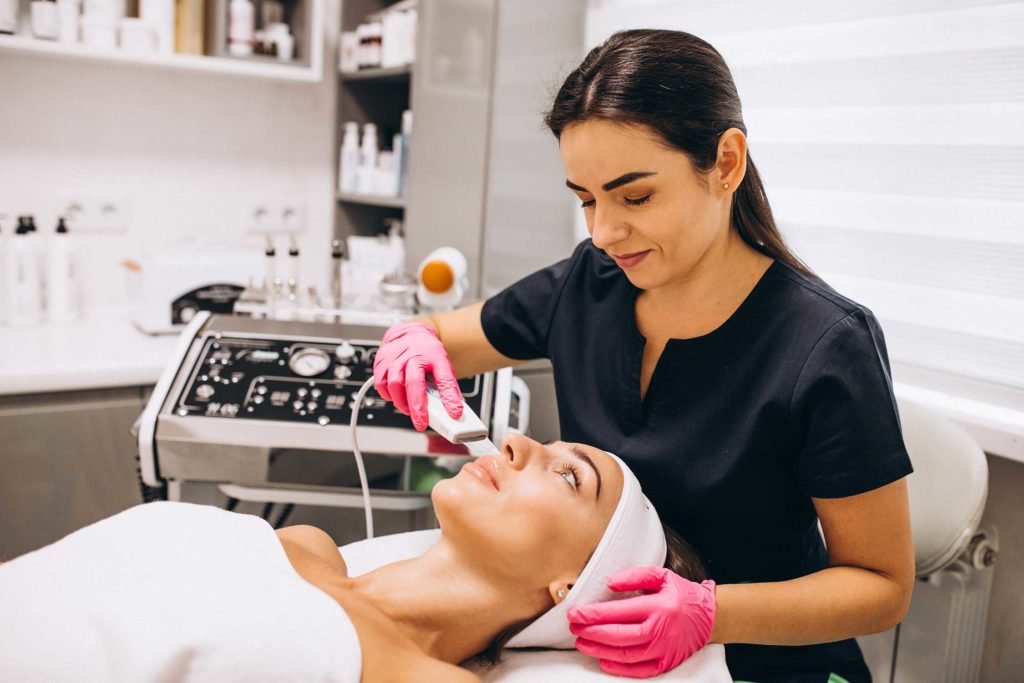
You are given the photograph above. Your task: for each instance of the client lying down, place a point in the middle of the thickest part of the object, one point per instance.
(173, 592)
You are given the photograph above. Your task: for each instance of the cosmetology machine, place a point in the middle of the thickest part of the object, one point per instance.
(239, 390)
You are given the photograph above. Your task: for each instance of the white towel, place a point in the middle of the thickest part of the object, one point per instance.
(170, 592)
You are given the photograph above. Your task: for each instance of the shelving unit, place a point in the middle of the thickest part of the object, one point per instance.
(306, 71)
(448, 90)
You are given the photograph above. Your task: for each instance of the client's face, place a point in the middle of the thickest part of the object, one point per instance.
(533, 514)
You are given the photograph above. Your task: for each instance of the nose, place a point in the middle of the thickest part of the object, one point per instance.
(605, 227)
(516, 450)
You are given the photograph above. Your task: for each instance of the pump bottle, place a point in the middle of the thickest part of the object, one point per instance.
(24, 278)
(61, 289)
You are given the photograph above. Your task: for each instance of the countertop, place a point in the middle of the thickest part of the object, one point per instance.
(102, 350)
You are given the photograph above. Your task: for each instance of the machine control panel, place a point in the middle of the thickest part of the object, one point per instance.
(314, 381)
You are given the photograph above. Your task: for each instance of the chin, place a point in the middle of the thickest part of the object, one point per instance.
(456, 506)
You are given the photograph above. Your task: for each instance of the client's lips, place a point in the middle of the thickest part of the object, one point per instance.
(484, 469)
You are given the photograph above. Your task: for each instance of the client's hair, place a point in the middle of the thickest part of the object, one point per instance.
(681, 559)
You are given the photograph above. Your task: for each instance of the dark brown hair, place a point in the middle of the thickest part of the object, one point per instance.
(681, 559)
(679, 86)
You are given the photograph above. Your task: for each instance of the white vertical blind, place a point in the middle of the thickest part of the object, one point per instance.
(890, 135)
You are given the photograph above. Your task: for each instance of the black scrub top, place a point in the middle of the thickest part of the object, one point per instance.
(787, 400)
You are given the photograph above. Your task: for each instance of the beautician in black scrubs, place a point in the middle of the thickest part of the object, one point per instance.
(750, 398)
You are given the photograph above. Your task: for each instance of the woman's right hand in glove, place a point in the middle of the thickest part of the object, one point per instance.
(408, 352)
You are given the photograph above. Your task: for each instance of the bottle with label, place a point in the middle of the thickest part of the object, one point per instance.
(24, 279)
(61, 286)
(367, 171)
(241, 27)
(349, 158)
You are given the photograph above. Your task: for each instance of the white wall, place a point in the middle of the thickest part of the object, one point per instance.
(189, 152)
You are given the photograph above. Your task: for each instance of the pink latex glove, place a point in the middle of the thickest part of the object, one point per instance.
(649, 634)
(408, 352)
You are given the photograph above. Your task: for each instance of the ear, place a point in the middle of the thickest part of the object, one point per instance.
(559, 588)
(731, 165)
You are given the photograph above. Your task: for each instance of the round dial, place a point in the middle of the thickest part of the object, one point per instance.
(308, 361)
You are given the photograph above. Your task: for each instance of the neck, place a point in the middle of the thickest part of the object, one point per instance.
(723, 275)
(444, 604)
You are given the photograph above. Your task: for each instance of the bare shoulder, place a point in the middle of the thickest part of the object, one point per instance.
(309, 539)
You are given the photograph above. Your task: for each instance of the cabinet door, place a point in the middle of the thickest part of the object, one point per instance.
(66, 460)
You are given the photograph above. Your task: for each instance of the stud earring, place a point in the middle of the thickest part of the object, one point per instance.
(561, 593)
(725, 186)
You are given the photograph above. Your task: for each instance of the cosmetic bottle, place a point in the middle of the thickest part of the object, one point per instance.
(160, 15)
(9, 16)
(270, 276)
(44, 19)
(61, 284)
(241, 27)
(367, 169)
(4, 248)
(23, 285)
(401, 147)
(337, 254)
(68, 16)
(349, 158)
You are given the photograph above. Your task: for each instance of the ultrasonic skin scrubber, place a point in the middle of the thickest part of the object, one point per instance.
(468, 430)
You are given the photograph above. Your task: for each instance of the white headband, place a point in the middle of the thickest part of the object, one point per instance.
(634, 537)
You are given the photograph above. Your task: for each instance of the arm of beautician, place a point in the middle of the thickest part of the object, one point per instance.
(866, 589)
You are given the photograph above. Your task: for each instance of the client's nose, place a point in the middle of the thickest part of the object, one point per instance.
(515, 449)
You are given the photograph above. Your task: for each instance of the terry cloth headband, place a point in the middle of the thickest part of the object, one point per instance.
(634, 538)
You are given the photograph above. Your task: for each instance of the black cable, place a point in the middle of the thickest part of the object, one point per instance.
(267, 509)
(231, 505)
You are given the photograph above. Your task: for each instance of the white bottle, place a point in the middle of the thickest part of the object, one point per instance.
(68, 16)
(4, 248)
(160, 15)
(349, 158)
(241, 27)
(9, 16)
(367, 170)
(24, 283)
(61, 285)
(401, 146)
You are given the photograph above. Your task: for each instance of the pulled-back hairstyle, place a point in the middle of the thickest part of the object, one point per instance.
(679, 86)
(681, 559)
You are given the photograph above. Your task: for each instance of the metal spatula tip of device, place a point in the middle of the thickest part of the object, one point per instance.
(480, 447)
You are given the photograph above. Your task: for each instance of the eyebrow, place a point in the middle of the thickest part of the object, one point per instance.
(624, 179)
(578, 452)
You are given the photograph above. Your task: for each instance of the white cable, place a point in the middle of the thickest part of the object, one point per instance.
(356, 405)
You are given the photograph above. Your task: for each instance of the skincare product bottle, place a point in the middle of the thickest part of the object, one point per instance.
(24, 284)
(241, 26)
(387, 176)
(68, 15)
(9, 16)
(402, 142)
(349, 158)
(348, 57)
(61, 289)
(44, 19)
(270, 276)
(4, 248)
(160, 15)
(367, 160)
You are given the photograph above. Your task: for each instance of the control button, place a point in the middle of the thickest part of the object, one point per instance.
(264, 356)
(345, 352)
(315, 393)
(183, 412)
(204, 391)
(297, 405)
(302, 391)
(323, 420)
(261, 389)
(342, 371)
(311, 406)
(257, 399)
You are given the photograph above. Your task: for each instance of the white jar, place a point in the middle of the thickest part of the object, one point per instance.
(68, 17)
(99, 32)
(9, 16)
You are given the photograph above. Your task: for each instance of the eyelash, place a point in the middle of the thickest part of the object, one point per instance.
(629, 202)
(567, 468)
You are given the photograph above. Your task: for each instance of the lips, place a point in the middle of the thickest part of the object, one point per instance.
(630, 260)
(485, 470)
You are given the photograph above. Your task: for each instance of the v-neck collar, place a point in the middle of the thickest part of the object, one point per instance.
(635, 404)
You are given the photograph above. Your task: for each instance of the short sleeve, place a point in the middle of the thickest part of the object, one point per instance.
(845, 412)
(517, 320)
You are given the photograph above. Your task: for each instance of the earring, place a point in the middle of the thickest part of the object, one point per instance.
(561, 593)
(725, 186)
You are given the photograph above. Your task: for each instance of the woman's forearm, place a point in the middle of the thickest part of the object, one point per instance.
(832, 604)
